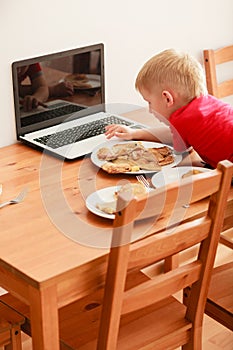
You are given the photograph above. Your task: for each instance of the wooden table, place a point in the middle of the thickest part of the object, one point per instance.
(53, 250)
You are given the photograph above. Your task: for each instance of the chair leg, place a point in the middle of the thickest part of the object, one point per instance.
(16, 342)
(12, 321)
(16, 338)
(196, 343)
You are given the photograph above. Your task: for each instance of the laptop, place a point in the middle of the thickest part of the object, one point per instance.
(68, 126)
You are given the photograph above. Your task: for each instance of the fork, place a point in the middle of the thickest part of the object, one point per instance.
(144, 181)
(17, 199)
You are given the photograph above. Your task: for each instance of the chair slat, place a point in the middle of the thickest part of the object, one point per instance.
(160, 287)
(224, 54)
(173, 196)
(154, 248)
(225, 88)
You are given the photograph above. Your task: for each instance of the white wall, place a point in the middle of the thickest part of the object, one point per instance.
(132, 31)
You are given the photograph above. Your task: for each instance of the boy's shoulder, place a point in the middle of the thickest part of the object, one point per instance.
(210, 103)
(205, 106)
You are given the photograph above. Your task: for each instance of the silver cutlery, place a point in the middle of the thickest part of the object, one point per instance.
(17, 199)
(143, 180)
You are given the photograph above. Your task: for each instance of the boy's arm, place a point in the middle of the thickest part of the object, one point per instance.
(160, 134)
(40, 88)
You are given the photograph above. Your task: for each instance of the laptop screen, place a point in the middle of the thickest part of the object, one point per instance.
(74, 81)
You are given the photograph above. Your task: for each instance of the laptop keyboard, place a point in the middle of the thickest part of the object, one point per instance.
(78, 133)
(53, 113)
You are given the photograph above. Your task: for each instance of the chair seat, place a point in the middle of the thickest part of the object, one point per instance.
(219, 303)
(79, 323)
(79, 327)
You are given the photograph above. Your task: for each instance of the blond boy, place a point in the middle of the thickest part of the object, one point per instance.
(173, 85)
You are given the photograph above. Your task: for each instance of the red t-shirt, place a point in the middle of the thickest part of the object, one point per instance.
(32, 72)
(206, 124)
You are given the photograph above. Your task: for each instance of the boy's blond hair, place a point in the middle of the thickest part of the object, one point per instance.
(173, 70)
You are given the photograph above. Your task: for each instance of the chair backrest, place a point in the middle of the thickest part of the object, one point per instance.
(212, 59)
(126, 257)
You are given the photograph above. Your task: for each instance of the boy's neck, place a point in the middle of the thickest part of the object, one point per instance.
(179, 102)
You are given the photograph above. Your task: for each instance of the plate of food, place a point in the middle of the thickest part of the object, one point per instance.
(134, 157)
(83, 81)
(175, 174)
(103, 202)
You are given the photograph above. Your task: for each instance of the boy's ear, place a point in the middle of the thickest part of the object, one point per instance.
(169, 99)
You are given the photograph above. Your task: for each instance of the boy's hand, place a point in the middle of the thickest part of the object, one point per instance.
(121, 131)
(61, 89)
(29, 103)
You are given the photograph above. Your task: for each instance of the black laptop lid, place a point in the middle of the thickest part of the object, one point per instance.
(83, 67)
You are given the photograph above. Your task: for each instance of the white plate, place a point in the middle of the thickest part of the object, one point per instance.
(167, 176)
(146, 144)
(101, 197)
(93, 80)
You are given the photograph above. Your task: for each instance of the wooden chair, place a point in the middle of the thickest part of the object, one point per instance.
(226, 238)
(151, 306)
(134, 311)
(212, 59)
(219, 304)
(148, 316)
(10, 332)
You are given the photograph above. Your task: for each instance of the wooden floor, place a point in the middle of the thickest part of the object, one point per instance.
(215, 336)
